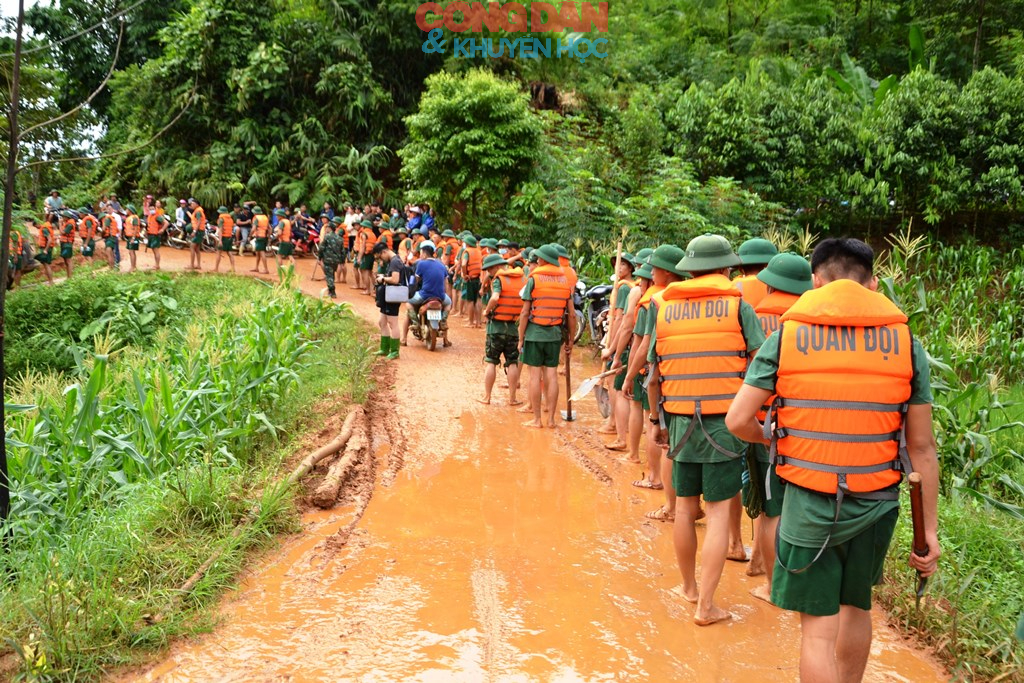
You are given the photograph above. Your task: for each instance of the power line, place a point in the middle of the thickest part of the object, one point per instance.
(76, 35)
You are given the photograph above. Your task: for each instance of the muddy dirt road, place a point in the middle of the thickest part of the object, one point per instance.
(495, 553)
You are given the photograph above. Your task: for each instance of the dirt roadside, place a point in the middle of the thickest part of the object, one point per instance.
(470, 549)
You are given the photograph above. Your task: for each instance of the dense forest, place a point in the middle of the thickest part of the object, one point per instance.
(850, 115)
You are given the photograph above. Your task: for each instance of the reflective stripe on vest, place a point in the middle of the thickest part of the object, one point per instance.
(510, 305)
(768, 311)
(550, 296)
(845, 368)
(227, 224)
(473, 263)
(752, 289)
(701, 351)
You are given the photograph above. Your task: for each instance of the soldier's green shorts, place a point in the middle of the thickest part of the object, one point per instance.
(640, 391)
(89, 248)
(110, 242)
(261, 244)
(498, 345)
(620, 379)
(471, 290)
(843, 575)
(227, 243)
(285, 249)
(366, 262)
(153, 242)
(132, 244)
(66, 250)
(542, 354)
(716, 481)
(773, 507)
(197, 237)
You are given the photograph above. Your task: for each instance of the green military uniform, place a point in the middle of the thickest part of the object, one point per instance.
(331, 254)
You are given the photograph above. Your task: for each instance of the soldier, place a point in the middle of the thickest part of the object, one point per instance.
(331, 254)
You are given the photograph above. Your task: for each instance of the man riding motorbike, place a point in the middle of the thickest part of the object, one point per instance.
(431, 275)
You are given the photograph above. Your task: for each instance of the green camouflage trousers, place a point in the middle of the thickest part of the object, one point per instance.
(330, 268)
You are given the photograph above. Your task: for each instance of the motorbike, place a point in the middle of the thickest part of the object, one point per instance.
(307, 241)
(211, 240)
(578, 304)
(598, 312)
(430, 322)
(174, 236)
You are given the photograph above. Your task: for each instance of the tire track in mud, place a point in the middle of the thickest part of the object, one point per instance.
(570, 439)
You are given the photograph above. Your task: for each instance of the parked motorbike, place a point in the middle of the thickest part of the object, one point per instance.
(429, 323)
(174, 236)
(597, 312)
(578, 305)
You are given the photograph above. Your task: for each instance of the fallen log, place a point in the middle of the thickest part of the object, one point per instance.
(326, 494)
(327, 449)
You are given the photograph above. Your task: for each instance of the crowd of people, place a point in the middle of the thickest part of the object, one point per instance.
(757, 380)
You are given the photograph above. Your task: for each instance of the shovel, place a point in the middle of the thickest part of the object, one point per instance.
(920, 546)
(568, 415)
(589, 384)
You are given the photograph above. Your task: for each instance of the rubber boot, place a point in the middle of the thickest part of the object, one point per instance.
(395, 344)
(385, 347)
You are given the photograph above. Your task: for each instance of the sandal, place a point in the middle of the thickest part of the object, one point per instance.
(662, 514)
(646, 483)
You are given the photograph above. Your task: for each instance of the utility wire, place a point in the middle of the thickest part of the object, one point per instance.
(81, 33)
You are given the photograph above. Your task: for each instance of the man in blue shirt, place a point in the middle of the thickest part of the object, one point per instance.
(431, 275)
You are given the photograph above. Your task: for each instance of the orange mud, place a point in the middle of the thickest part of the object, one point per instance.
(496, 553)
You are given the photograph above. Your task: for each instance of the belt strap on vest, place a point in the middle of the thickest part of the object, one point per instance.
(694, 421)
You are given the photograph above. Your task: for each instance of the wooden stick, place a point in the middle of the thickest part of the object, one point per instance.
(615, 292)
(333, 447)
(326, 495)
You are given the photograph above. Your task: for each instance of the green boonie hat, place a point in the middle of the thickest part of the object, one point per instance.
(222, 209)
(84, 209)
(336, 220)
(708, 252)
(562, 251)
(489, 242)
(667, 257)
(447, 233)
(280, 212)
(546, 253)
(470, 240)
(257, 209)
(626, 258)
(131, 207)
(644, 271)
(365, 224)
(401, 229)
(503, 242)
(494, 260)
(756, 251)
(788, 273)
(643, 255)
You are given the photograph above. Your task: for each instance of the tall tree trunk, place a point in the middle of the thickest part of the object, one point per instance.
(5, 253)
(977, 34)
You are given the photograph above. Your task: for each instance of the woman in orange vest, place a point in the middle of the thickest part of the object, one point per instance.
(87, 227)
(853, 414)
(472, 262)
(754, 256)
(156, 224)
(226, 228)
(704, 333)
(547, 298)
(261, 234)
(68, 228)
(132, 232)
(502, 313)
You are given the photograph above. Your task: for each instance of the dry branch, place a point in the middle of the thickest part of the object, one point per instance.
(328, 449)
(327, 493)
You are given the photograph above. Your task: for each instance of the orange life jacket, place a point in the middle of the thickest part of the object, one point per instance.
(510, 304)
(768, 311)
(199, 219)
(473, 263)
(753, 290)
(701, 351)
(454, 251)
(405, 252)
(109, 226)
(87, 227)
(386, 236)
(369, 240)
(153, 224)
(623, 287)
(845, 368)
(551, 295)
(68, 228)
(285, 226)
(132, 227)
(17, 245)
(645, 300)
(260, 226)
(570, 272)
(227, 225)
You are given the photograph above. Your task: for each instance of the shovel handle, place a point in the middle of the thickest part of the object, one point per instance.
(917, 514)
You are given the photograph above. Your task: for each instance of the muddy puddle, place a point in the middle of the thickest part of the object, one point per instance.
(496, 554)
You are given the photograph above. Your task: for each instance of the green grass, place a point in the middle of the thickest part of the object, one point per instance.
(974, 601)
(85, 594)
